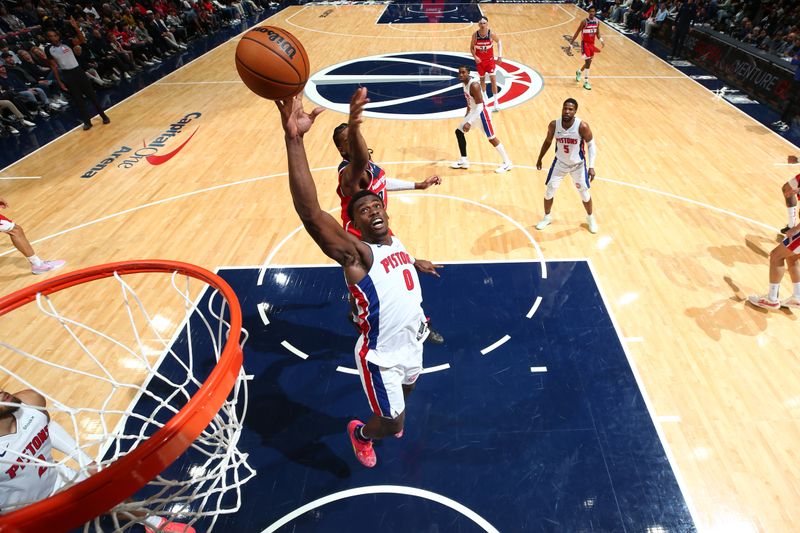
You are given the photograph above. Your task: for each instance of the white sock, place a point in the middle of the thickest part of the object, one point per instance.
(503, 153)
(590, 217)
(586, 74)
(792, 211)
(546, 216)
(153, 521)
(773, 292)
(796, 290)
(35, 261)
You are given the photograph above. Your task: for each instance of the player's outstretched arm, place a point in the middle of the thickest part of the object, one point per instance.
(551, 131)
(591, 150)
(578, 31)
(323, 228)
(423, 265)
(355, 176)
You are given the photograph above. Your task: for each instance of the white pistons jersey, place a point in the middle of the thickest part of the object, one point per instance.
(21, 480)
(470, 100)
(389, 305)
(569, 145)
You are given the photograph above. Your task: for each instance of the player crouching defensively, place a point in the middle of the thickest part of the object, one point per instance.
(381, 276)
(475, 110)
(571, 133)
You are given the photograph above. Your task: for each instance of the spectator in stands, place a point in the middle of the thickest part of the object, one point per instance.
(33, 97)
(33, 79)
(687, 12)
(793, 96)
(19, 117)
(9, 22)
(655, 21)
(619, 10)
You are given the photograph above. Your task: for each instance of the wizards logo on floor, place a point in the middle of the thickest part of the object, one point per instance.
(415, 85)
(127, 157)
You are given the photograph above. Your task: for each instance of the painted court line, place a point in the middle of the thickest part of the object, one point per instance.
(648, 403)
(538, 369)
(345, 370)
(534, 307)
(298, 353)
(262, 312)
(384, 489)
(21, 178)
(497, 344)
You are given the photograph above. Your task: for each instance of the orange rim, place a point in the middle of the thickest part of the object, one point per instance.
(122, 478)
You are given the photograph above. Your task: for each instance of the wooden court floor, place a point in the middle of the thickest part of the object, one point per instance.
(687, 198)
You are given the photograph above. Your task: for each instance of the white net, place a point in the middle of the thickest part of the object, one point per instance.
(141, 349)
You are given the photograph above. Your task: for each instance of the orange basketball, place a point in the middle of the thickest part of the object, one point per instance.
(272, 62)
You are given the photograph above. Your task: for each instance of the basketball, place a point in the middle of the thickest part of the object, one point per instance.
(272, 62)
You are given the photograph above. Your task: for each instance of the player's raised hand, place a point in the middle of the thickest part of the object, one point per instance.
(423, 265)
(296, 122)
(433, 180)
(357, 103)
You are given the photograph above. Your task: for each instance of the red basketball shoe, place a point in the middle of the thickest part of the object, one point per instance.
(363, 450)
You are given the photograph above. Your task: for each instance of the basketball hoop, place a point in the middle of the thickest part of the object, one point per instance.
(197, 416)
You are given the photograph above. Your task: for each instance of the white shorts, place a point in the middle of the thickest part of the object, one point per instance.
(578, 172)
(383, 385)
(6, 224)
(486, 123)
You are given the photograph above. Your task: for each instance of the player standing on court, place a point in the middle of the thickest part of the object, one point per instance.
(355, 155)
(482, 49)
(476, 110)
(782, 255)
(588, 29)
(571, 135)
(381, 276)
(791, 190)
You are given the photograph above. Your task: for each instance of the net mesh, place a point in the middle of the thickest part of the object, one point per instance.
(118, 375)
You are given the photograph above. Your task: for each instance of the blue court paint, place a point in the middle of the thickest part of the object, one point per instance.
(430, 12)
(572, 449)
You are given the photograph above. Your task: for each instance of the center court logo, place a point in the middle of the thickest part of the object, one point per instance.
(126, 157)
(415, 85)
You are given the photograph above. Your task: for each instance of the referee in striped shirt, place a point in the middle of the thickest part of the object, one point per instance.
(71, 77)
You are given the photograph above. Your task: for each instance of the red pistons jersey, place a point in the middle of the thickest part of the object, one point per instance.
(377, 184)
(23, 477)
(484, 46)
(590, 31)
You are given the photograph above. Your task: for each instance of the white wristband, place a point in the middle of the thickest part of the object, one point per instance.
(399, 185)
(592, 152)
